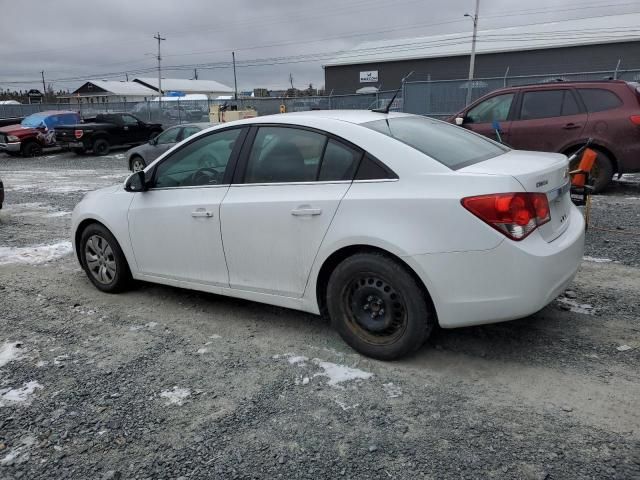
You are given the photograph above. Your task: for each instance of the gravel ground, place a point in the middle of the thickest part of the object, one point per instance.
(161, 382)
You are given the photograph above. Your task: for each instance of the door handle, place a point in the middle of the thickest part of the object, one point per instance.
(201, 212)
(571, 126)
(306, 211)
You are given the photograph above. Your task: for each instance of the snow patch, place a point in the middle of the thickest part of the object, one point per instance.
(576, 307)
(34, 255)
(175, 396)
(340, 373)
(202, 351)
(298, 360)
(57, 214)
(215, 336)
(19, 395)
(20, 453)
(344, 406)
(392, 391)
(596, 260)
(9, 352)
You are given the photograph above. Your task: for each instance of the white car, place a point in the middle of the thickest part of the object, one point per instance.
(389, 223)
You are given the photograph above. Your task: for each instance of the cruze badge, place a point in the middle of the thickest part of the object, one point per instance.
(542, 183)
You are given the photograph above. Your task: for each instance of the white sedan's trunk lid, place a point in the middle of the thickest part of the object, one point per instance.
(536, 172)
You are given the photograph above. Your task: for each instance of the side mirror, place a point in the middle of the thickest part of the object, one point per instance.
(459, 121)
(136, 182)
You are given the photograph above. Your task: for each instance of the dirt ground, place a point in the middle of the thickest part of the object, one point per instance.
(166, 383)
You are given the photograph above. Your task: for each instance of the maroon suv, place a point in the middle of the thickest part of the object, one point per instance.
(560, 117)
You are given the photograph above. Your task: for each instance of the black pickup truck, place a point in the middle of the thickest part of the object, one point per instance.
(104, 131)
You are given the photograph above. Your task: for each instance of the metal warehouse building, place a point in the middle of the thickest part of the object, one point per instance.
(605, 44)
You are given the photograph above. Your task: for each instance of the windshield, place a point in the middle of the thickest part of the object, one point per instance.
(33, 121)
(450, 145)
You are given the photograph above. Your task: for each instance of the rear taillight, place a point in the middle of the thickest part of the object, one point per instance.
(514, 214)
(78, 134)
(635, 119)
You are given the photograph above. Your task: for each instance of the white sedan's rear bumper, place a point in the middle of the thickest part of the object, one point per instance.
(511, 281)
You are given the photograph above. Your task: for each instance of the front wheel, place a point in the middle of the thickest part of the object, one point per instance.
(32, 149)
(137, 164)
(601, 172)
(378, 307)
(103, 260)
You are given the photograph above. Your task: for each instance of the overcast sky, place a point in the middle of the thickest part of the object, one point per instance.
(70, 38)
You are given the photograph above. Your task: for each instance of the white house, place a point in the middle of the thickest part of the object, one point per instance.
(110, 91)
(210, 88)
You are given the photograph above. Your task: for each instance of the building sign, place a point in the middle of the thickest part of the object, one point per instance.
(370, 76)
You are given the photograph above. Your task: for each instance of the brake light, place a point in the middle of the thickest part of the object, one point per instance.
(78, 134)
(515, 215)
(635, 119)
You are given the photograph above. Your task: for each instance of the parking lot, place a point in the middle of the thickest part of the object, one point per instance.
(161, 382)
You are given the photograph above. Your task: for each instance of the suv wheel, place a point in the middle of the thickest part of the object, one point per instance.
(103, 260)
(101, 147)
(32, 149)
(601, 173)
(377, 306)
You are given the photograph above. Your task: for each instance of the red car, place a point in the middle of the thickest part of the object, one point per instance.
(35, 132)
(560, 117)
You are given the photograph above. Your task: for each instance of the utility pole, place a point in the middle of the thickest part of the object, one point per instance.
(160, 39)
(195, 73)
(44, 88)
(472, 61)
(235, 80)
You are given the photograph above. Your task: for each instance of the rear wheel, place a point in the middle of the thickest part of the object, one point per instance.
(101, 147)
(103, 260)
(601, 173)
(31, 149)
(137, 164)
(377, 306)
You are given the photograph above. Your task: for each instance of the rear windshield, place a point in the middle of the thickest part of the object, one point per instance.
(450, 145)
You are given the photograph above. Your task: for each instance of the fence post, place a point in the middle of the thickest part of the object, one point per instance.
(615, 74)
(506, 74)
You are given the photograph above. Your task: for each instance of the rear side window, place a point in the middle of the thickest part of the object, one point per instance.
(339, 162)
(283, 154)
(448, 144)
(369, 169)
(599, 100)
(548, 104)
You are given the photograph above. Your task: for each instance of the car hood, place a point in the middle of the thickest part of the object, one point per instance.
(17, 130)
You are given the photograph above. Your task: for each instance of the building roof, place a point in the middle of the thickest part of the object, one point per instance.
(120, 88)
(185, 85)
(566, 33)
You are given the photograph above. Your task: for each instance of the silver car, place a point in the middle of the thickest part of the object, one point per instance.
(141, 156)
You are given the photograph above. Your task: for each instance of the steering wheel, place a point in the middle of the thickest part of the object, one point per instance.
(206, 176)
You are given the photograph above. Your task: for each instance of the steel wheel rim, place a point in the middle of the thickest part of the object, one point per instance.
(138, 165)
(100, 260)
(375, 311)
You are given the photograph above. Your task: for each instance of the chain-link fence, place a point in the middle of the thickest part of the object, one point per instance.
(439, 98)
(170, 112)
(442, 98)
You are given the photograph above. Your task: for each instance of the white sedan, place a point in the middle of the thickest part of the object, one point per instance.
(389, 223)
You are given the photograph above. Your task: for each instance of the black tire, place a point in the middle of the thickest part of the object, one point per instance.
(104, 263)
(101, 147)
(601, 173)
(378, 307)
(154, 134)
(79, 151)
(135, 162)
(31, 149)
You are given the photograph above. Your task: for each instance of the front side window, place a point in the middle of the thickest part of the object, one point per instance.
(452, 146)
(169, 136)
(599, 100)
(129, 120)
(283, 154)
(492, 109)
(200, 163)
(188, 131)
(548, 104)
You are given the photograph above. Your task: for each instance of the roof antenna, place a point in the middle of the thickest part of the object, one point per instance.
(388, 107)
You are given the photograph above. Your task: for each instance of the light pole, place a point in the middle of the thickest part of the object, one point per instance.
(160, 39)
(472, 61)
